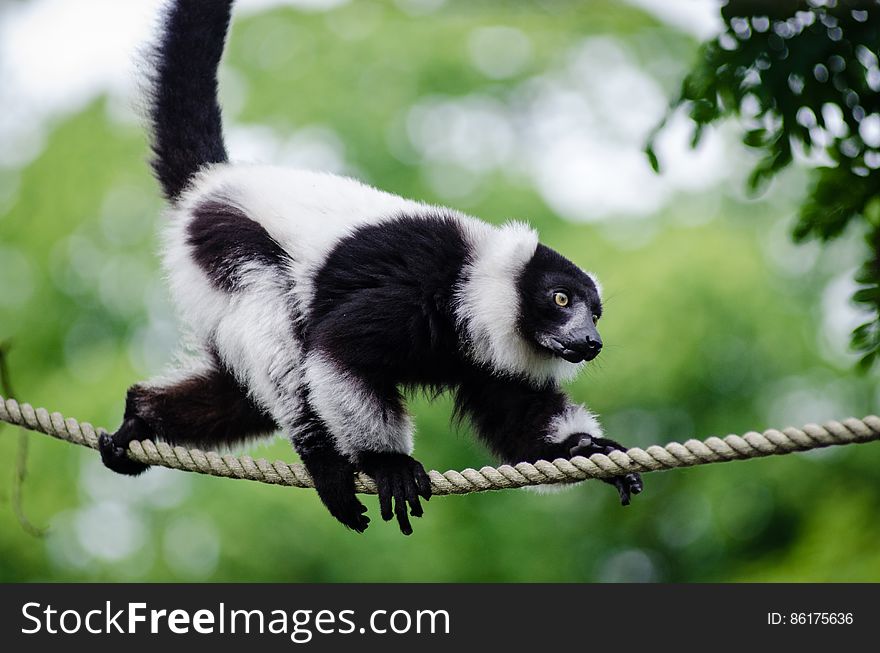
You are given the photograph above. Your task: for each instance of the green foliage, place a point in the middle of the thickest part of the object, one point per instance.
(804, 78)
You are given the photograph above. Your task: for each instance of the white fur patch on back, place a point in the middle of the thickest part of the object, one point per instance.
(574, 419)
(355, 417)
(487, 303)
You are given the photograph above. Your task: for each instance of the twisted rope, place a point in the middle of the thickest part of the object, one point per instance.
(654, 458)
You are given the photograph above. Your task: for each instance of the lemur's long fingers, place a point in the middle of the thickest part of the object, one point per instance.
(400, 505)
(635, 483)
(423, 482)
(383, 486)
(626, 485)
(622, 489)
(412, 498)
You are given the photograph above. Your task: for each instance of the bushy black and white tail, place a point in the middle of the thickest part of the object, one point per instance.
(187, 132)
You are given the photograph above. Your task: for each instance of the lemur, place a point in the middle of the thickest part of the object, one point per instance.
(318, 301)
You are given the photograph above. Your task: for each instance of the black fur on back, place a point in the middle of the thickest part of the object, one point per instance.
(383, 301)
(187, 132)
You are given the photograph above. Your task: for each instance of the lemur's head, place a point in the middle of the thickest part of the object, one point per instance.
(525, 310)
(559, 307)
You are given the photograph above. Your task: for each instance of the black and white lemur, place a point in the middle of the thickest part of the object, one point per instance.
(318, 300)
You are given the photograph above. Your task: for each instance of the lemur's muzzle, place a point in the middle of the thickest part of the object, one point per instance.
(580, 345)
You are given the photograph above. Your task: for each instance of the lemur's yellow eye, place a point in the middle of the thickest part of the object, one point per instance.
(595, 319)
(560, 298)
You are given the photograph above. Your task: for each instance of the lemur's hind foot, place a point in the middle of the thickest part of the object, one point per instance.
(628, 484)
(114, 448)
(401, 480)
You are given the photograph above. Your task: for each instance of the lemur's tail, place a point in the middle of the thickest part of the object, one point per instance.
(187, 132)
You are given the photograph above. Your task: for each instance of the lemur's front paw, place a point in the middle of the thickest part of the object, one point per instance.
(114, 453)
(587, 445)
(335, 486)
(400, 478)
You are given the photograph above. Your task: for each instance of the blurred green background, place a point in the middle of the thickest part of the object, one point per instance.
(715, 323)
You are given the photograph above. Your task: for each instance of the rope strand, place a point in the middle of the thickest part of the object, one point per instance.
(542, 472)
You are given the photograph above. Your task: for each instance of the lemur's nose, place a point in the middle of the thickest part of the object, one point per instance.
(588, 346)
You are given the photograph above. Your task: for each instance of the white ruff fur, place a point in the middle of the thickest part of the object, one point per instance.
(487, 304)
(307, 214)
